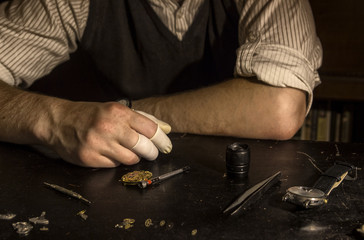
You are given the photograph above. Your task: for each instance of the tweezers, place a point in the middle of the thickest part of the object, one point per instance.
(252, 194)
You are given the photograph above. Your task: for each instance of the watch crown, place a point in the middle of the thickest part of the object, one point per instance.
(285, 197)
(306, 203)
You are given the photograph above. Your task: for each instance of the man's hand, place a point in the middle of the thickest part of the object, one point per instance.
(105, 135)
(83, 133)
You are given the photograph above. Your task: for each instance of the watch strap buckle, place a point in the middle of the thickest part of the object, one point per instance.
(352, 173)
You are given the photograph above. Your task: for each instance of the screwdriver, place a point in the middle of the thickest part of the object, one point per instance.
(67, 192)
(155, 180)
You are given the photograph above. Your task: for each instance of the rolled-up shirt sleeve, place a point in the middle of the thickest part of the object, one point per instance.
(279, 44)
(36, 36)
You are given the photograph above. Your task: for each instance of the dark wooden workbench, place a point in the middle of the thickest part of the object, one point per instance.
(186, 202)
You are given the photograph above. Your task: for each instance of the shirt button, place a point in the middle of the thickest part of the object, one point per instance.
(253, 36)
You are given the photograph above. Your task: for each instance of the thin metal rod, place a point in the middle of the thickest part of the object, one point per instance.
(67, 192)
(171, 174)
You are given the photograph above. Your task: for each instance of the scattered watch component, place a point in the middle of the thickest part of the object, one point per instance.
(237, 161)
(7, 216)
(309, 197)
(82, 214)
(126, 223)
(40, 220)
(162, 223)
(148, 222)
(360, 230)
(133, 178)
(22, 228)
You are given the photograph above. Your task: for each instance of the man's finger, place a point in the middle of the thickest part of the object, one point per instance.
(145, 148)
(163, 125)
(160, 138)
(162, 141)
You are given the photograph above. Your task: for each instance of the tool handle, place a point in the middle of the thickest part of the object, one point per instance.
(171, 174)
(155, 180)
(67, 192)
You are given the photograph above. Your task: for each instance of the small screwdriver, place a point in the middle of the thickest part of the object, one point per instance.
(67, 192)
(155, 180)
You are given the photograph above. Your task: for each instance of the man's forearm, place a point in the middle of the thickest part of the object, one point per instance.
(236, 107)
(23, 115)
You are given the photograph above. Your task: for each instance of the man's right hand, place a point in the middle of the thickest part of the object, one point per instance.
(105, 135)
(88, 134)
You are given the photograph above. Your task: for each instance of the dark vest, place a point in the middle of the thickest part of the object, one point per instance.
(134, 50)
(131, 53)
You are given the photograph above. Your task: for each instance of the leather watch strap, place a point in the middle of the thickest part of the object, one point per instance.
(332, 177)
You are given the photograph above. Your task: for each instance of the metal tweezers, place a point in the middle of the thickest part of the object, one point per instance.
(252, 194)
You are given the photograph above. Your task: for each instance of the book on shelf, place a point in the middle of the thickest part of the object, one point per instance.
(323, 125)
(328, 122)
(346, 125)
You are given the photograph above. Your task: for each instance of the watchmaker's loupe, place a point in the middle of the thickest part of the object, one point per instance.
(237, 161)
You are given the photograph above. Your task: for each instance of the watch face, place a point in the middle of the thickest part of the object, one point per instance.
(306, 192)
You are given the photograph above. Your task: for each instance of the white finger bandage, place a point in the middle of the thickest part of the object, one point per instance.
(160, 138)
(162, 141)
(145, 148)
(163, 125)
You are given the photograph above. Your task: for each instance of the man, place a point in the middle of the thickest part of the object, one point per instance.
(219, 67)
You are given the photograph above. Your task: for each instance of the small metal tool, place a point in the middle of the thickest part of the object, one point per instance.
(67, 192)
(155, 180)
(252, 194)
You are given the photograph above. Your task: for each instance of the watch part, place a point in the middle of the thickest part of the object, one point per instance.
(7, 216)
(135, 177)
(40, 220)
(22, 228)
(305, 196)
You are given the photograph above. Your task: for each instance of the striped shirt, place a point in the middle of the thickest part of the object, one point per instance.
(277, 38)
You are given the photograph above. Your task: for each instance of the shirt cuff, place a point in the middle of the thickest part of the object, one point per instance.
(277, 65)
(6, 76)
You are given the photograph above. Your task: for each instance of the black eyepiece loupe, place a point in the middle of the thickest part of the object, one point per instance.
(237, 160)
